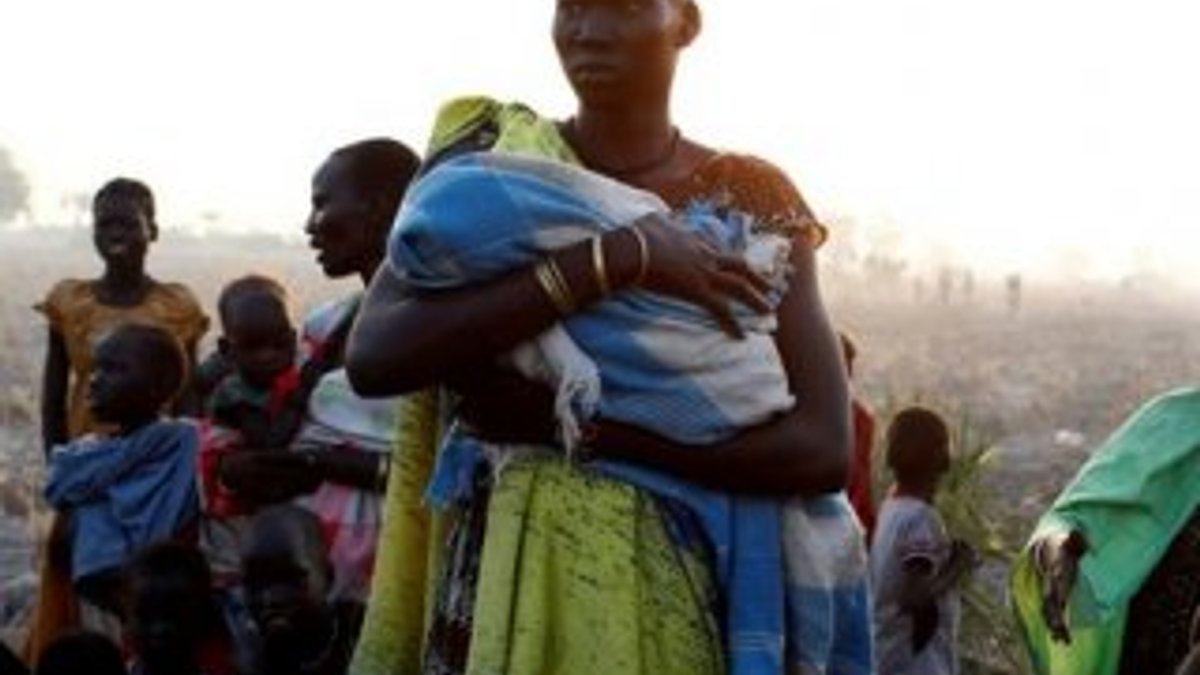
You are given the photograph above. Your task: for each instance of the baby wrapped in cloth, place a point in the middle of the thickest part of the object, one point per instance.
(787, 569)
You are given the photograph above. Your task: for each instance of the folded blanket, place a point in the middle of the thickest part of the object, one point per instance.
(665, 365)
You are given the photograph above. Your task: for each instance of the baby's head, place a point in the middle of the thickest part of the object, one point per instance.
(123, 225)
(918, 448)
(136, 370)
(258, 336)
(169, 608)
(286, 574)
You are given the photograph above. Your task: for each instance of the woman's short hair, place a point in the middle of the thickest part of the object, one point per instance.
(380, 167)
(129, 189)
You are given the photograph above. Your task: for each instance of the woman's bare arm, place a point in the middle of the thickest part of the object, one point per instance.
(55, 378)
(402, 343)
(805, 451)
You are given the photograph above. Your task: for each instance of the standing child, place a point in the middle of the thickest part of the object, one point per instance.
(78, 312)
(287, 575)
(122, 491)
(915, 565)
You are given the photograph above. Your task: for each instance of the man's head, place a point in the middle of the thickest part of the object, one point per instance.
(258, 335)
(136, 370)
(355, 195)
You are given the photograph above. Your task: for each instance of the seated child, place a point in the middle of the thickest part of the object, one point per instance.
(137, 485)
(915, 565)
(287, 577)
(81, 652)
(173, 626)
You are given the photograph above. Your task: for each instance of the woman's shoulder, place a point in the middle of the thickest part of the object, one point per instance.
(70, 290)
(757, 186)
(329, 315)
(66, 299)
(176, 293)
(176, 305)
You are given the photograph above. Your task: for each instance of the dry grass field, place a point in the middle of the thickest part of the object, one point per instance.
(1038, 387)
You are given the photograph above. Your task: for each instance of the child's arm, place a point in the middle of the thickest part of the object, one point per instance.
(924, 583)
(362, 470)
(55, 379)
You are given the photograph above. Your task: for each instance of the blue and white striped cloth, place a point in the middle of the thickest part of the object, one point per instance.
(793, 573)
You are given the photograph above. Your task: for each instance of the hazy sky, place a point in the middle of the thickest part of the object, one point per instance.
(1003, 133)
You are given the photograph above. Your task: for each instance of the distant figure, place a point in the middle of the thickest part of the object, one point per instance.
(287, 577)
(136, 485)
(915, 565)
(173, 626)
(918, 289)
(968, 285)
(81, 652)
(1012, 293)
(1109, 582)
(859, 490)
(78, 312)
(945, 285)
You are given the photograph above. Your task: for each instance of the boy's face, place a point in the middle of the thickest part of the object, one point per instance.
(165, 622)
(122, 387)
(259, 340)
(285, 583)
(121, 231)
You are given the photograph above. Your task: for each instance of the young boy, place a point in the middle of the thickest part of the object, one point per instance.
(173, 626)
(257, 407)
(915, 566)
(287, 576)
(136, 486)
(258, 343)
(252, 410)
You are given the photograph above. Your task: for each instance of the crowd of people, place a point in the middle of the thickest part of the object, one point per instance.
(587, 415)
